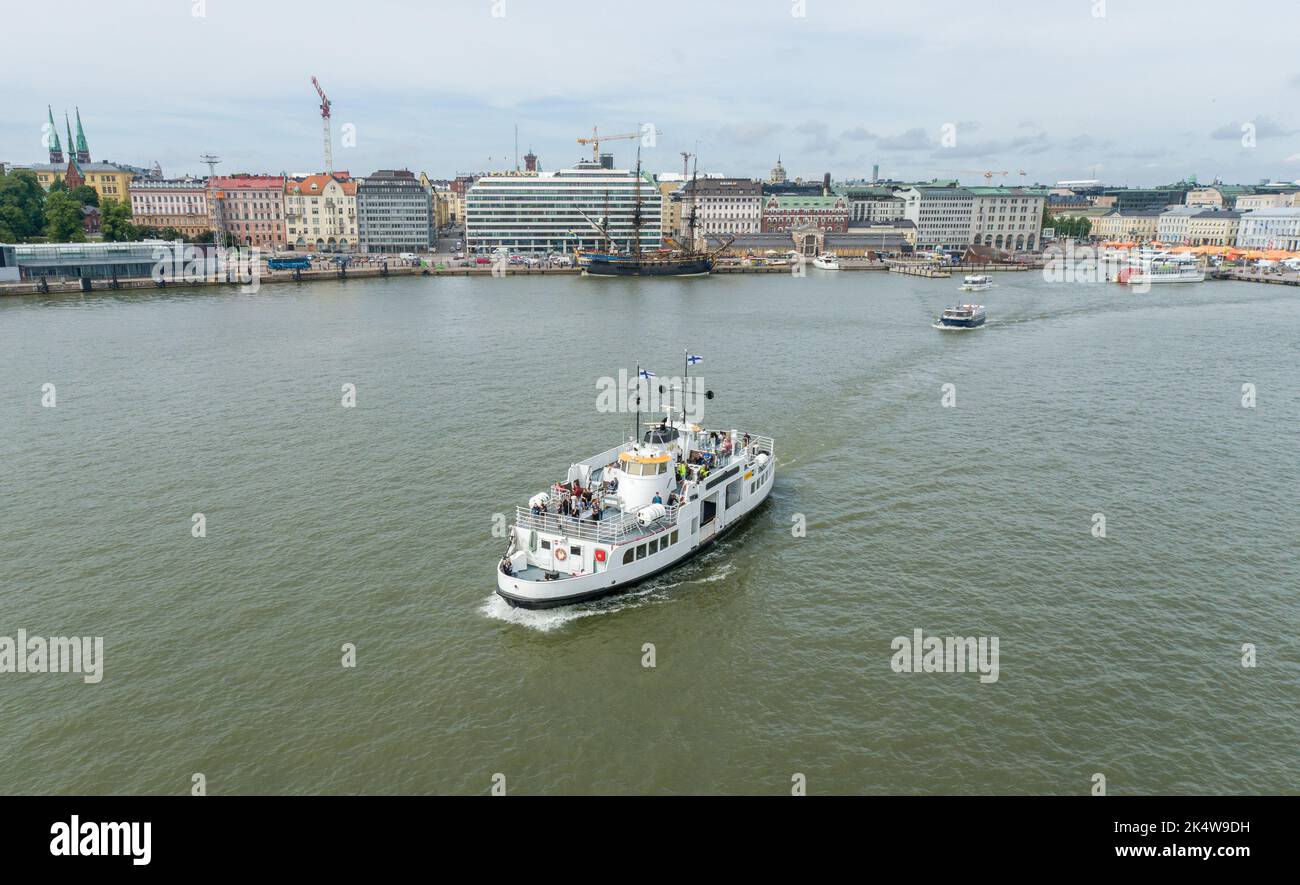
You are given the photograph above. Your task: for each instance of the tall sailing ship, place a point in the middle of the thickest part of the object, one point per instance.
(684, 262)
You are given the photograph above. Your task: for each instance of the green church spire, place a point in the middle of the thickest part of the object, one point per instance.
(83, 151)
(52, 134)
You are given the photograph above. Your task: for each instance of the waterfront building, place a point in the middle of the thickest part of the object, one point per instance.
(787, 213)
(180, 203)
(320, 213)
(670, 204)
(872, 203)
(394, 213)
(459, 187)
(1270, 229)
(943, 215)
(1135, 225)
(1218, 196)
(249, 207)
(725, 205)
(864, 241)
(1269, 200)
(1009, 218)
(1150, 197)
(1171, 226)
(1213, 227)
(544, 211)
(95, 261)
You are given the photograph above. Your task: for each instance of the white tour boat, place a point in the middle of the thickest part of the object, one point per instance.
(632, 511)
(1162, 268)
(977, 283)
(827, 261)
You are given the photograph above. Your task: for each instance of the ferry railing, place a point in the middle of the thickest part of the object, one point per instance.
(605, 531)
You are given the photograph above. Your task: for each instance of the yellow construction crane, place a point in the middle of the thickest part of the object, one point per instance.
(597, 138)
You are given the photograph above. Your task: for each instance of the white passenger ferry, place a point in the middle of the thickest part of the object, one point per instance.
(1162, 268)
(633, 511)
(827, 261)
(977, 283)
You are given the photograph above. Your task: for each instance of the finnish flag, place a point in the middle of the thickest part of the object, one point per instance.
(646, 373)
(692, 359)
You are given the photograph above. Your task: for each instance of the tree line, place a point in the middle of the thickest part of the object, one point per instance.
(29, 213)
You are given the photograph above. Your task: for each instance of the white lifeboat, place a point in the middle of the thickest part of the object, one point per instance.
(648, 514)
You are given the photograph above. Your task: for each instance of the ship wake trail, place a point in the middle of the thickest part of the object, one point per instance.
(550, 619)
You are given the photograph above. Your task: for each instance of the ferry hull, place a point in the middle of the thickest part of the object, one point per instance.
(962, 324)
(527, 594)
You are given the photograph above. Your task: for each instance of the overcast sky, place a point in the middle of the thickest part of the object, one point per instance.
(1133, 91)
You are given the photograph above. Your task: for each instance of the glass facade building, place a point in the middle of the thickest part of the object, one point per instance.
(540, 212)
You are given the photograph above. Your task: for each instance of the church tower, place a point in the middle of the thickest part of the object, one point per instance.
(83, 151)
(56, 149)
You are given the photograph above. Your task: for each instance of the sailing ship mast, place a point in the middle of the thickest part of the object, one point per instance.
(690, 229)
(636, 209)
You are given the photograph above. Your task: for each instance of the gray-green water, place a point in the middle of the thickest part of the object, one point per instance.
(373, 526)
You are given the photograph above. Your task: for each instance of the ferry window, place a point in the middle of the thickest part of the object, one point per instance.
(673, 538)
(733, 494)
(640, 552)
(575, 550)
(654, 546)
(663, 467)
(695, 525)
(627, 557)
(546, 545)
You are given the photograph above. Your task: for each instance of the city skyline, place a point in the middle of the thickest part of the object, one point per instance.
(1061, 93)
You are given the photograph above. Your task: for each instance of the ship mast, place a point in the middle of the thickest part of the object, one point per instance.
(690, 228)
(636, 209)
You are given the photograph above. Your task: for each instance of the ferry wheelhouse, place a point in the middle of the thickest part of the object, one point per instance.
(633, 511)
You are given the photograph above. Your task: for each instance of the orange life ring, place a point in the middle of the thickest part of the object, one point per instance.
(600, 555)
(560, 554)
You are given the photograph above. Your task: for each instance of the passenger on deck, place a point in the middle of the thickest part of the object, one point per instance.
(681, 472)
(656, 499)
(596, 511)
(726, 445)
(613, 483)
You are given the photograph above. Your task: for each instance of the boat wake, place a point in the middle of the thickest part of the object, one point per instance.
(942, 328)
(546, 620)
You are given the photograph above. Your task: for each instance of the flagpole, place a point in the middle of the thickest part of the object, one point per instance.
(637, 437)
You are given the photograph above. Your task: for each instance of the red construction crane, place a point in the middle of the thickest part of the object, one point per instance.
(325, 119)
